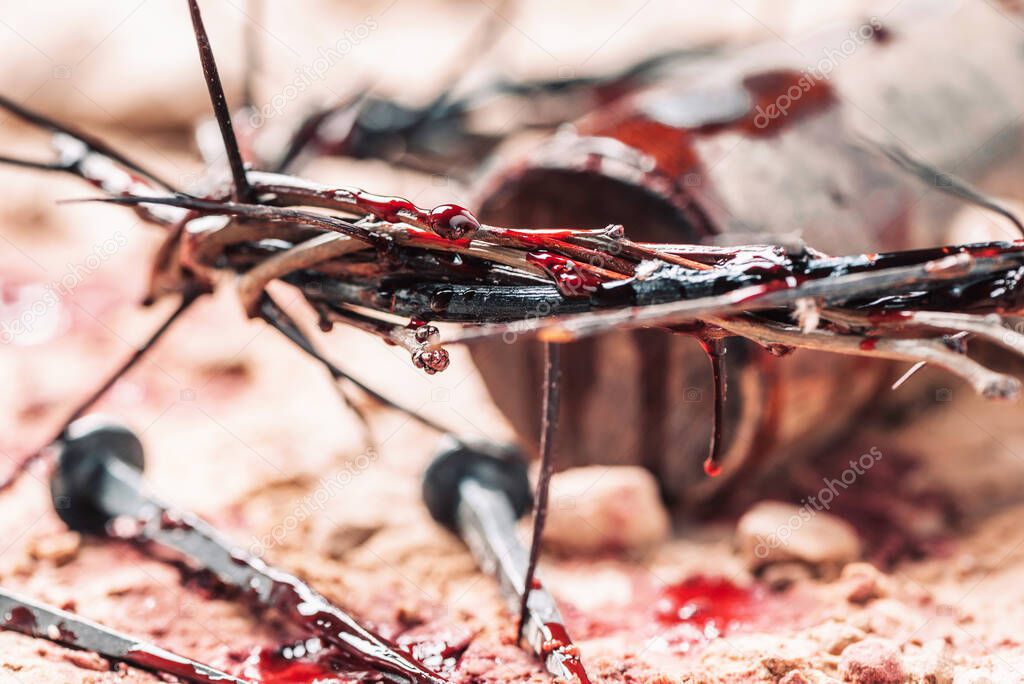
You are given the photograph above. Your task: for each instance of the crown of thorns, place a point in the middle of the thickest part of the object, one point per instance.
(388, 267)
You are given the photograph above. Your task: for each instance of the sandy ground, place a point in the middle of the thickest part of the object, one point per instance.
(242, 429)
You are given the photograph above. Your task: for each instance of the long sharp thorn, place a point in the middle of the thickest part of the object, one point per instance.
(944, 182)
(220, 105)
(909, 374)
(549, 427)
(31, 164)
(93, 143)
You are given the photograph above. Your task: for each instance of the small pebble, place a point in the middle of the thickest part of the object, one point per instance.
(836, 635)
(773, 532)
(779, 666)
(975, 676)
(862, 582)
(795, 677)
(872, 661)
(599, 509)
(59, 548)
(933, 664)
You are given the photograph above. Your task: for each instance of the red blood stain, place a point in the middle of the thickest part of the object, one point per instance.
(558, 642)
(783, 97)
(680, 617)
(271, 666)
(571, 279)
(712, 468)
(450, 221)
(712, 604)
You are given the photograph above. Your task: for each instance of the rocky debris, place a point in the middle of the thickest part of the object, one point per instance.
(836, 635)
(778, 666)
(773, 532)
(795, 677)
(933, 664)
(862, 582)
(872, 661)
(59, 548)
(605, 508)
(975, 676)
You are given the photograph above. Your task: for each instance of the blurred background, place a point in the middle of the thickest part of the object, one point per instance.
(238, 424)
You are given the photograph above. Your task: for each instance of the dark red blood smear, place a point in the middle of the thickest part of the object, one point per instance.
(537, 238)
(434, 239)
(783, 97)
(559, 643)
(353, 647)
(270, 666)
(896, 517)
(572, 281)
(442, 650)
(388, 208)
(450, 221)
(66, 635)
(21, 619)
(307, 609)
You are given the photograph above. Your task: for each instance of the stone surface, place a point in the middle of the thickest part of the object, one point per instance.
(605, 508)
(872, 661)
(773, 532)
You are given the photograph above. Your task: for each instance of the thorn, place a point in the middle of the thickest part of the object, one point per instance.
(93, 144)
(220, 105)
(549, 427)
(909, 374)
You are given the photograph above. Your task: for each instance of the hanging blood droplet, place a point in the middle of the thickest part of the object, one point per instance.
(715, 351)
(452, 222)
(712, 467)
